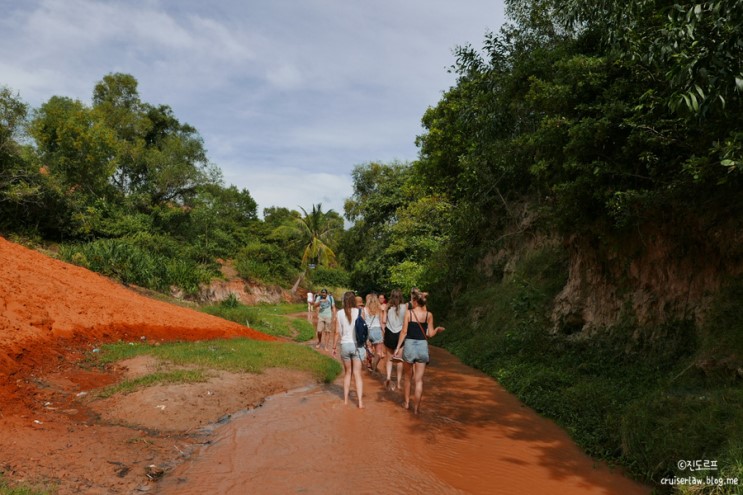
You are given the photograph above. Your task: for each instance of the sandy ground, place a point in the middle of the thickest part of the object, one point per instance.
(54, 429)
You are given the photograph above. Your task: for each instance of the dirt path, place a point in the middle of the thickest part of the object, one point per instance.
(471, 437)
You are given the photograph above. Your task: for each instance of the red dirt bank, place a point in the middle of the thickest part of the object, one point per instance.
(48, 308)
(51, 313)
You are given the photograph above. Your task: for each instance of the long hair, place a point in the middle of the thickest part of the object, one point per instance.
(395, 300)
(349, 302)
(373, 307)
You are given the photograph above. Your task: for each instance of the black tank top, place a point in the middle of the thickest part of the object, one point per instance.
(416, 329)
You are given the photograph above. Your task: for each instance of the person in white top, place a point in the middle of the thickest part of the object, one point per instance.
(351, 355)
(394, 320)
(375, 318)
(310, 302)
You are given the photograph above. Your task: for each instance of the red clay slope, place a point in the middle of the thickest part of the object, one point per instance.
(50, 309)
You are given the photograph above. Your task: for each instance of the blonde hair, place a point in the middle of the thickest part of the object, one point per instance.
(372, 305)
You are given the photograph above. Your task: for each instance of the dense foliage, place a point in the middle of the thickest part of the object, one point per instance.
(579, 120)
(129, 191)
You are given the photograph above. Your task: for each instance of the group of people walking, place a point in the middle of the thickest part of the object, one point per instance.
(398, 334)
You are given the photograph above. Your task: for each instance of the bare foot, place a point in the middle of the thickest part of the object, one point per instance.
(361, 406)
(406, 405)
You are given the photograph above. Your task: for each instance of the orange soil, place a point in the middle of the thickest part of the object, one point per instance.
(49, 310)
(51, 430)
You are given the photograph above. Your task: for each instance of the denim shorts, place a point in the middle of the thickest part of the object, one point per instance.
(350, 351)
(375, 335)
(415, 351)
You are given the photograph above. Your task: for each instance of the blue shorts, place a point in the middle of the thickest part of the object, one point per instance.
(350, 351)
(375, 335)
(415, 351)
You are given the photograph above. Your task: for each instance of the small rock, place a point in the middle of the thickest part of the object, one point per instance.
(154, 472)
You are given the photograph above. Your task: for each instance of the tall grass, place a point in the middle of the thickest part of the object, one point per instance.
(124, 260)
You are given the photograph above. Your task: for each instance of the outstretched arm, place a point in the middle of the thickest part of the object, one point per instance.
(431, 332)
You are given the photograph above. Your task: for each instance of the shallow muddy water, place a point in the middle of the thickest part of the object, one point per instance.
(470, 437)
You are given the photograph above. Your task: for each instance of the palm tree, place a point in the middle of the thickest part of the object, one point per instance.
(315, 231)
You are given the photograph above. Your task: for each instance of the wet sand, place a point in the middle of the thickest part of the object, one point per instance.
(471, 437)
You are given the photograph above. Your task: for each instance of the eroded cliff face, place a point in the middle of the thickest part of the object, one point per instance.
(246, 292)
(650, 277)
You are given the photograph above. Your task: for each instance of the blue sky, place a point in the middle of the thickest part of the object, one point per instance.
(288, 95)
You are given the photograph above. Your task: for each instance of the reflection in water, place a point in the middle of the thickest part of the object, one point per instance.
(471, 437)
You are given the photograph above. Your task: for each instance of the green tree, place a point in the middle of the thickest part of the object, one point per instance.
(316, 229)
(74, 146)
(19, 184)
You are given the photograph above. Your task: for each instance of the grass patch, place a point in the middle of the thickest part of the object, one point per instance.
(158, 378)
(7, 489)
(236, 355)
(629, 395)
(269, 319)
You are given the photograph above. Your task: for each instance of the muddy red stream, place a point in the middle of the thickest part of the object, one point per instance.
(471, 437)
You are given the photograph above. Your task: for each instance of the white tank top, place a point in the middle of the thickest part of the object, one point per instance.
(395, 318)
(347, 329)
(372, 321)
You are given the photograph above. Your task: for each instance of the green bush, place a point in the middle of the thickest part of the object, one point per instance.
(264, 262)
(323, 276)
(124, 260)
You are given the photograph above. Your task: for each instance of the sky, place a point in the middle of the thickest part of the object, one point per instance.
(288, 95)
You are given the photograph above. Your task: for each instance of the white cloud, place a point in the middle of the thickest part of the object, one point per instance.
(278, 89)
(294, 187)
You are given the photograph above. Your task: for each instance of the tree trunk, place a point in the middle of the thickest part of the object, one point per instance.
(296, 284)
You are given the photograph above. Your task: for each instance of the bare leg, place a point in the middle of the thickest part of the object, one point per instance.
(419, 368)
(328, 340)
(378, 356)
(346, 379)
(399, 374)
(356, 365)
(388, 365)
(408, 379)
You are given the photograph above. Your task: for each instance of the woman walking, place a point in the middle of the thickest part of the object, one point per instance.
(396, 311)
(417, 328)
(375, 320)
(351, 356)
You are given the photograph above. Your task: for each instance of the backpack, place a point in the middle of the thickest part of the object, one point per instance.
(361, 331)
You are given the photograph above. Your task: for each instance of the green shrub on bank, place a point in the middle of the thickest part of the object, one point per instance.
(624, 395)
(329, 277)
(126, 261)
(263, 262)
